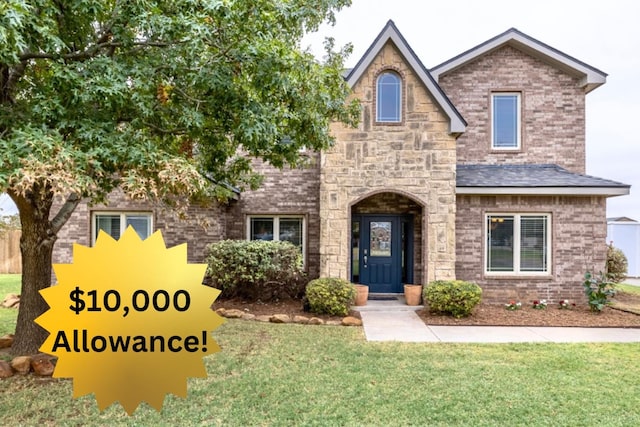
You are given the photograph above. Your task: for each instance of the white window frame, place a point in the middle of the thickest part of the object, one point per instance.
(517, 244)
(123, 221)
(276, 228)
(378, 97)
(518, 96)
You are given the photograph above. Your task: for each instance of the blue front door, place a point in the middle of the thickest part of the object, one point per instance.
(384, 252)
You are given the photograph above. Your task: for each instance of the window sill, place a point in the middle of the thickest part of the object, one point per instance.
(506, 150)
(518, 276)
(388, 123)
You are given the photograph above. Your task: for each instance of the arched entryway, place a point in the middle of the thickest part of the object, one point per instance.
(386, 242)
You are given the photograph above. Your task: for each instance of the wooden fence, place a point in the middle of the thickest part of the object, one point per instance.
(10, 260)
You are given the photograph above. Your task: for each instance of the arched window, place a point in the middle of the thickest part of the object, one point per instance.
(389, 98)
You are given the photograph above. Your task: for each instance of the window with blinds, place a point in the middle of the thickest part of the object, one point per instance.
(518, 244)
(115, 223)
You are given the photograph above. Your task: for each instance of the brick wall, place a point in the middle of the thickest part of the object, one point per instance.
(578, 244)
(283, 192)
(415, 158)
(201, 226)
(553, 110)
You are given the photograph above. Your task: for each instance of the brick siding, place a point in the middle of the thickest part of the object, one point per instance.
(200, 226)
(283, 192)
(578, 244)
(553, 110)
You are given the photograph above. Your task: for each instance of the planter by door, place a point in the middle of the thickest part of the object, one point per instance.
(362, 295)
(413, 294)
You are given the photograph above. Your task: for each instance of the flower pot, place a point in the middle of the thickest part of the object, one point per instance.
(362, 295)
(413, 294)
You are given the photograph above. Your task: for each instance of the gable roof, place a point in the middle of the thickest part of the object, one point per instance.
(390, 33)
(532, 179)
(590, 77)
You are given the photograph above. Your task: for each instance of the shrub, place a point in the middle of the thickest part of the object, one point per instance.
(330, 296)
(255, 270)
(616, 264)
(599, 289)
(454, 297)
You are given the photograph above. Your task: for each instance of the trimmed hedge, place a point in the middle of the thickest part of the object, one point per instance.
(330, 296)
(256, 270)
(455, 297)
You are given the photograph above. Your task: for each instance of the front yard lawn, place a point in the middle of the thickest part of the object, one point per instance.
(283, 375)
(9, 284)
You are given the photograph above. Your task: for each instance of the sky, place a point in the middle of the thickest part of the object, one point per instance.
(605, 35)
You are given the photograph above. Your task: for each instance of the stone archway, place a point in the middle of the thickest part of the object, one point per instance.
(387, 245)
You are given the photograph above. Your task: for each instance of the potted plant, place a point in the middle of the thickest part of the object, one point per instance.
(362, 294)
(413, 294)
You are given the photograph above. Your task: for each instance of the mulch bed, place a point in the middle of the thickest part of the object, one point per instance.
(483, 315)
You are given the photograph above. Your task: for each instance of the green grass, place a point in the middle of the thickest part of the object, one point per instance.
(286, 375)
(9, 283)
(628, 288)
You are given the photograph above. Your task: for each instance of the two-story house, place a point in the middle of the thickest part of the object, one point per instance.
(474, 169)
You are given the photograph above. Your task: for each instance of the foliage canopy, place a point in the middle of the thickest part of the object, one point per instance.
(152, 96)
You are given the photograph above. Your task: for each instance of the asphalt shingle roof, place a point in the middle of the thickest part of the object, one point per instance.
(532, 176)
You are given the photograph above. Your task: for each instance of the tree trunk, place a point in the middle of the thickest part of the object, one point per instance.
(36, 246)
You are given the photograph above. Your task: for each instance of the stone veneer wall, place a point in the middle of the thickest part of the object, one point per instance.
(579, 232)
(202, 226)
(553, 110)
(283, 192)
(416, 158)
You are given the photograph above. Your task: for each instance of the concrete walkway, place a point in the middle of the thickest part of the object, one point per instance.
(396, 321)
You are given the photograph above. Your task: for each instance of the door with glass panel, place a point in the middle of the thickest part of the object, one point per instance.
(382, 252)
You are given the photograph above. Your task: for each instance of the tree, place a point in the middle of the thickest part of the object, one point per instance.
(152, 96)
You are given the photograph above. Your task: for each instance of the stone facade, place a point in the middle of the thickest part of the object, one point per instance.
(553, 110)
(578, 241)
(415, 158)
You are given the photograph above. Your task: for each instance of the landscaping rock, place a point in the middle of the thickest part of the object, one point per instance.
(42, 365)
(301, 319)
(11, 301)
(248, 316)
(263, 318)
(21, 364)
(5, 369)
(280, 318)
(234, 313)
(333, 322)
(351, 321)
(316, 321)
(6, 341)
(221, 311)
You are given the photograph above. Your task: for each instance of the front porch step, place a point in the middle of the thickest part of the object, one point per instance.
(399, 304)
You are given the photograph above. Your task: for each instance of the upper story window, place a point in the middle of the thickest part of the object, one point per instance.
(505, 113)
(115, 223)
(389, 98)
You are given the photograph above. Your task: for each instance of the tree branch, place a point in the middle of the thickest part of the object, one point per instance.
(89, 52)
(65, 212)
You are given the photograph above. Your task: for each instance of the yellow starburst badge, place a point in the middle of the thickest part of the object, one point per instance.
(130, 320)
